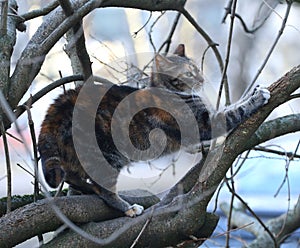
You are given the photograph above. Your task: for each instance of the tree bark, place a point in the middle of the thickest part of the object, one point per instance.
(8, 25)
(41, 217)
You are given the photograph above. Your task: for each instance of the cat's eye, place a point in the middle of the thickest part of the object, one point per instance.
(189, 74)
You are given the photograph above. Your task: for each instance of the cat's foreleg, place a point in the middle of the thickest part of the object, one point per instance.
(234, 115)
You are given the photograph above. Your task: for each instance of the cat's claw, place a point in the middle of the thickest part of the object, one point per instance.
(134, 210)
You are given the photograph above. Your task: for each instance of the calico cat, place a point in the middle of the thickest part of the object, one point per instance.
(75, 122)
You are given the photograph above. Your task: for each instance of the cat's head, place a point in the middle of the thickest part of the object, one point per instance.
(176, 72)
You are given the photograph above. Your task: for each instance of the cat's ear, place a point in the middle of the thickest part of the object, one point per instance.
(180, 50)
(162, 63)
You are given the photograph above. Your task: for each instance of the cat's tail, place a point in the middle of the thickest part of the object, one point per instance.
(50, 158)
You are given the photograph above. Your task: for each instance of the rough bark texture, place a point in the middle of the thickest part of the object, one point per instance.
(40, 217)
(7, 42)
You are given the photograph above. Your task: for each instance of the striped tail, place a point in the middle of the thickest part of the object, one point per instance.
(50, 159)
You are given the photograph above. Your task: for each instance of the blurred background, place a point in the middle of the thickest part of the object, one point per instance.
(115, 37)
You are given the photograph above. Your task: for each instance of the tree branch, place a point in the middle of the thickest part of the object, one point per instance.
(123, 231)
(281, 226)
(76, 37)
(273, 129)
(41, 216)
(7, 41)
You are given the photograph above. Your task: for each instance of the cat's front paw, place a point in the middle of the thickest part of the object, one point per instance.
(262, 94)
(134, 210)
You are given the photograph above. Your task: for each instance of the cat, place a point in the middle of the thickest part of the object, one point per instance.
(172, 81)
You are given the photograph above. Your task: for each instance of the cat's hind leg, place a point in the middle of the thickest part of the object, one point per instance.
(110, 197)
(115, 201)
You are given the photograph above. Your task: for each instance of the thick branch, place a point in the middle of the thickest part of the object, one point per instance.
(7, 41)
(76, 37)
(41, 216)
(166, 225)
(274, 128)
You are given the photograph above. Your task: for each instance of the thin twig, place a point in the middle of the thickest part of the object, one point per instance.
(227, 10)
(8, 167)
(211, 44)
(217, 197)
(229, 42)
(254, 215)
(240, 165)
(40, 12)
(35, 153)
(231, 208)
(203, 57)
(280, 32)
(151, 30)
(294, 96)
(289, 196)
(27, 171)
(143, 229)
(144, 25)
(14, 137)
(168, 41)
(224, 233)
(290, 155)
(244, 25)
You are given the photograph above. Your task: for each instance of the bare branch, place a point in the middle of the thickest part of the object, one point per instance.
(41, 216)
(274, 128)
(224, 73)
(20, 109)
(268, 150)
(3, 18)
(168, 41)
(280, 32)
(7, 41)
(35, 152)
(259, 220)
(211, 44)
(8, 166)
(40, 12)
(282, 226)
(78, 39)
